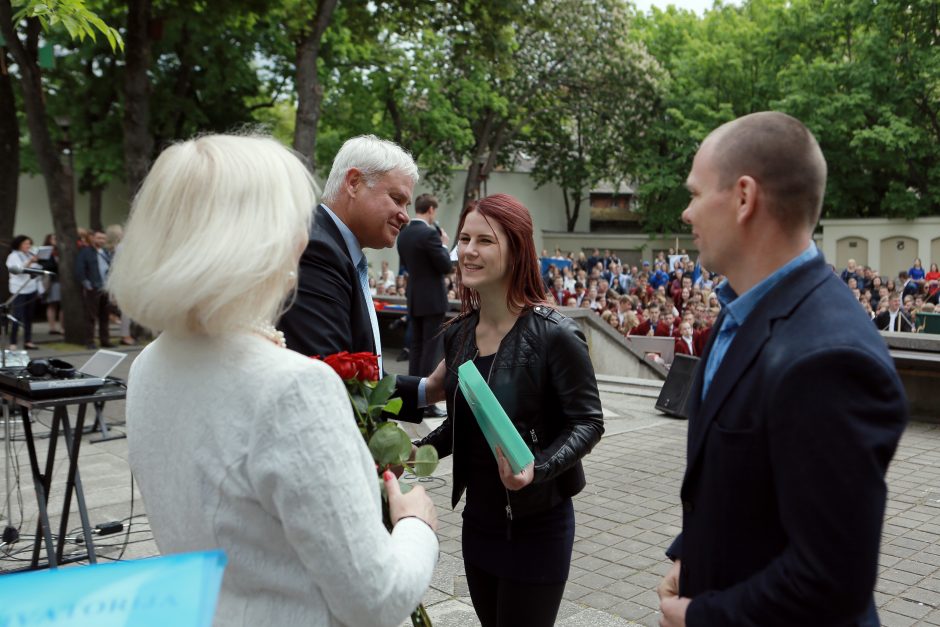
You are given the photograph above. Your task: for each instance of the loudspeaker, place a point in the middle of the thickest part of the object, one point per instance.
(674, 396)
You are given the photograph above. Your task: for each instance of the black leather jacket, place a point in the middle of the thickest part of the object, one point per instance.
(543, 377)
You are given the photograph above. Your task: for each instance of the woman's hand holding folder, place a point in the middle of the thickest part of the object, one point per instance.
(512, 481)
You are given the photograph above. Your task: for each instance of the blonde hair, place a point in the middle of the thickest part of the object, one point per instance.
(114, 232)
(214, 235)
(630, 322)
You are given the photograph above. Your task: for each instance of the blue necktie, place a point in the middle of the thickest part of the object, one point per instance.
(363, 268)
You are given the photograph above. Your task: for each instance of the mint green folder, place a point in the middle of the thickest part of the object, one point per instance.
(492, 418)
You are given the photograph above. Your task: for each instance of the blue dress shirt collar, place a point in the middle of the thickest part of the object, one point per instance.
(352, 244)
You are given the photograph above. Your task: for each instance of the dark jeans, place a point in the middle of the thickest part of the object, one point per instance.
(97, 307)
(427, 344)
(501, 602)
(22, 309)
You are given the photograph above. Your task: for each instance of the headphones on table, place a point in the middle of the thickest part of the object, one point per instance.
(53, 368)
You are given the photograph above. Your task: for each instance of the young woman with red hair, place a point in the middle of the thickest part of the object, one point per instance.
(518, 529)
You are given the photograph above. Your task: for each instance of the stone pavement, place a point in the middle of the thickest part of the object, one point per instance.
(626, 516)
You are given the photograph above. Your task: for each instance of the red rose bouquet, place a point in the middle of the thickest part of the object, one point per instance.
(371, 397)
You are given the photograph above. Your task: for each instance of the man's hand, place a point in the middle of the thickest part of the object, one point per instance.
(673, 610)
(434, 388)
(672, 606)
(669, 586)
(513, 481)
(445, 239)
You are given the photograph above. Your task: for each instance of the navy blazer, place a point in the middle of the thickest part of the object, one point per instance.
(86, 267)
(784, 493)
(428, 262)
(329, 314)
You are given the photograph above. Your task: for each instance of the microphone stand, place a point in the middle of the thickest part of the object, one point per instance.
(10, 533)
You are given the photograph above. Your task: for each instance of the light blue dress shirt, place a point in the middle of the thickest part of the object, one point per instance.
(357, 256)
(738, 308)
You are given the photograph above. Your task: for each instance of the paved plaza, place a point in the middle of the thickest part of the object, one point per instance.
(626, 516)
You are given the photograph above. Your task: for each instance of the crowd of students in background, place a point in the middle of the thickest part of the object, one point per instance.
(898, 304)
(678, 299)
(653, 298)
(670, 296)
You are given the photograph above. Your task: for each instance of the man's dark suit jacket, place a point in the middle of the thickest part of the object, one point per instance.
(784, 492)
(86, 267)
(428, 262)
(329, 314)
(883, 320)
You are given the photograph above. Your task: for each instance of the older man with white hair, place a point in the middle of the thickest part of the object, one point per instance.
(364, 205)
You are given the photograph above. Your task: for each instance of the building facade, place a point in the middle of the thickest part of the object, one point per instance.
(888, 246)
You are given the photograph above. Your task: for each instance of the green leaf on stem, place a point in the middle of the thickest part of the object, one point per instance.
(392, 407)
(389, 445)
(359, 402)
(425, 461)
(383, 391)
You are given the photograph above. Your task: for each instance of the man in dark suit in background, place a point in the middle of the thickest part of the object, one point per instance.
(365, 205)
(894, 318)
(91, 272)
(795, 410)
(424, 252)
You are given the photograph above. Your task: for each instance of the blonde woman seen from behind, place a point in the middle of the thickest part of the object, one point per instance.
(237, 443)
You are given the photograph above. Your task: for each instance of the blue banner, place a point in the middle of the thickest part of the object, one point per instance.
(178, 590)
(558, 263)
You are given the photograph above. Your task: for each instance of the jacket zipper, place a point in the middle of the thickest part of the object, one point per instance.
(508, 500)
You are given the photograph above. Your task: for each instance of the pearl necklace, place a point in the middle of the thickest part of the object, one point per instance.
(267, 331)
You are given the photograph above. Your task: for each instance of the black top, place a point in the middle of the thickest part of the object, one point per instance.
(535, 548)
(486, 495)
(544, 379)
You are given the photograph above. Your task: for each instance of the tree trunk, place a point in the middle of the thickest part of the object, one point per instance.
(309, 89)
(10, 172)
(576, 194)
(483, 131)
(471, 187)
(392, 107)
(58, 184)
(138, 140)
(182, 86)
(564, 195)
(575, 212)
(490, 142)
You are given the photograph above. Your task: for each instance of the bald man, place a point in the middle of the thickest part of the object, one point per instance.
(796, 410)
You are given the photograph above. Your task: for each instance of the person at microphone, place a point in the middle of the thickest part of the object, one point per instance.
(52, 297)
(265, 458)
(25, 287)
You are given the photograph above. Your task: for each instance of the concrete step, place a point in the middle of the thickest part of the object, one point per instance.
(630, 386)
